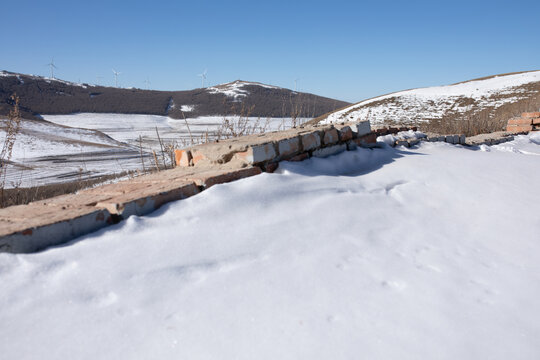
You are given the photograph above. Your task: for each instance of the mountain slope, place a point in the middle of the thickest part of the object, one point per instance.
(39, 95)
(496, 97)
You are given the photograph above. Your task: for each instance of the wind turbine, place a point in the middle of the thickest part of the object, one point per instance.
(295, 83)
(52, 66)
(116, 73)
(203, 76)
(147, 82)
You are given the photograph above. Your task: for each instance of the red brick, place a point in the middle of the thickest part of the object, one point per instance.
(520, 121)
(536, 121)
(519, 128)
(531, 115)
(183, 157)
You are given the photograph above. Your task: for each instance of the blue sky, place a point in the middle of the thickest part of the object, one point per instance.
(340, 49)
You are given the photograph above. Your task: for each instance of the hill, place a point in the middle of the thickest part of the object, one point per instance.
(40, 95)
(474, 106)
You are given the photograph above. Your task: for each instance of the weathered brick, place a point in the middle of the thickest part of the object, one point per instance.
(257, 154)
(345, 134)
(148, 199)
(531, 115)
(311, 141)
(366, 140)
(288, 147)
(197, 156)
(300, 157)
(462, 139)
(33, 227)
(456, 139)
(519, 128)
(520, 121)
(330, 137)
(331, 150)
(362, 128)
(536, 121)
(213, 177)
(183, 157)
(271, 167)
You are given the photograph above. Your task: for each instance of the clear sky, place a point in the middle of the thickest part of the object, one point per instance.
(341, 49)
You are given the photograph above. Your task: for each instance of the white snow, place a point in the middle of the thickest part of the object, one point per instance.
(433, 102)
(424, 253)
(391, 139)
(234, 89)
(187, 108)
(128, 127)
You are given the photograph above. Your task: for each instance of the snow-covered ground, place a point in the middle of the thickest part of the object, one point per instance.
(434, 102)
(46, 153)
(128, 127)
(71, 147)
(422, 253)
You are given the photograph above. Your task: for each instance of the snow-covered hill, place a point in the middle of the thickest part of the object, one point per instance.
(457, 101)
(371, 254)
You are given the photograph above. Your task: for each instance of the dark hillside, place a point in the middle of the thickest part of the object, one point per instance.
(40, 95)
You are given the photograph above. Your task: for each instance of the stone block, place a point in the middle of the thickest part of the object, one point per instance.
(519, 128)
(288, 147)
(520, 121)
(413, 142)
(345, 134)
(462, 139)
(271, 167)
(300, 157)
(148, 199)
(449, 139)
(34, 227)
(213, 177)
(368, 140)
(257, 154)
(456, 139)
(531, 115)
(330, 136)
(363, 128)
(351, 145)
(330, 150)
(183, 157)
(311, 141)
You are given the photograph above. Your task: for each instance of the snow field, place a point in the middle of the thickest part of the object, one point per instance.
(422, 253)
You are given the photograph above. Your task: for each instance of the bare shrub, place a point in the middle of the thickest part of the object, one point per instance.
(12, 129)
